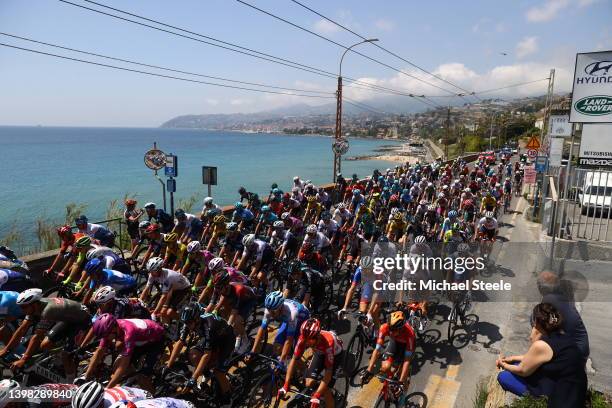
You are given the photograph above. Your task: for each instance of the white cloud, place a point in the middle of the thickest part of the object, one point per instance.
(240, 102)
(323, 26)
(212, 102)
(384, 24)
(547, 11)
(526, 46)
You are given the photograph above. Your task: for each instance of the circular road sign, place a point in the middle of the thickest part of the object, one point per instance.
(532, 153)
(340, 146)
(155, 159)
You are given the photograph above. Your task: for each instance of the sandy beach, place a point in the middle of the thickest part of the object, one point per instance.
(393, 153)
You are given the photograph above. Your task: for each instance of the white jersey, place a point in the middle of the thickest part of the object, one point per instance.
(329, 229)
(164, 402)
(170, 279)
(116, 394)
(490, 225)
(91, 229)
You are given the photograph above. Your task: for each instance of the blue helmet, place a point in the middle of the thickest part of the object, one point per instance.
(274, 300)
(93, 266)
(238, 205)
(265, 209)
(452, 214)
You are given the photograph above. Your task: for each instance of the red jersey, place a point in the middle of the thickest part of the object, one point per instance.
(406, 336)
(329, 345)
(67, 243)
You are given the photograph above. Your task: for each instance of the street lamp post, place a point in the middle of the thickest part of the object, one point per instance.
(338, 132)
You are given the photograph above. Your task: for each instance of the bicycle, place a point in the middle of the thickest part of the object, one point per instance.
(270, 381)
(363, 336)
(462, 302)
(388, 395)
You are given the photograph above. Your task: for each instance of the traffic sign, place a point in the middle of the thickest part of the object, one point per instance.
(534, 143)
(540, 164)
(532, 153)
(529, 175)
(171, 169)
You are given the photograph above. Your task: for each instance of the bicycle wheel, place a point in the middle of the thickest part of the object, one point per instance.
(452, 322)
(354, 354)
(382, 403)
(264, 391)
(343, 287)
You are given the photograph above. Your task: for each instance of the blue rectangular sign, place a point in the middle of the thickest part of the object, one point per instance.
(540, 164)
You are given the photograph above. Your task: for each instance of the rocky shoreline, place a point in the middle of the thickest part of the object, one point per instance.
(391, 153)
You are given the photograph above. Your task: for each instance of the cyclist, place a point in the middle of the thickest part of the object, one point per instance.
(311, 258)
(342, 216)
(139, 337)
(236, 302)
(286, 243)
(489, 203)
(487, 230)
(266, 219)
(156, 242)
(68, 239)
(399, 351)
(15, 281)
(77, 259)
(290, 314)
(109, 258)
(198, 260)
(319, 240)
(396, 228)
(10, 313)
(328, 227)
(306, 285)
(99, 276)
(214, 346)
(160, 217)
(175, 253)
(244, 217)
(174, 289)
(189, 225)
(328, 357)
(231, 246)
(219, 229)
(104, 236)
(261, 253)
(351, 246)
(507, 191)
(54, 320)
(294, 224)
(131, 215)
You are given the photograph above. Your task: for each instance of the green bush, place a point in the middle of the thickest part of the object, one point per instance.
(482, 394)
(529, 402)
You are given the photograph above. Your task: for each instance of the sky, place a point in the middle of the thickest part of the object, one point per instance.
(477, 45)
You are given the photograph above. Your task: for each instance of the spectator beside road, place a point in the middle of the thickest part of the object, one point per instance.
(552, 292)
(552, 367)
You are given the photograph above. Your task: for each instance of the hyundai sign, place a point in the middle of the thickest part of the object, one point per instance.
(592, 92)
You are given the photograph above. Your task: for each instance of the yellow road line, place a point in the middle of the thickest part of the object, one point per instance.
(442, 391)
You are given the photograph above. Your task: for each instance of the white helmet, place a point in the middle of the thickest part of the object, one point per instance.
(193, 246)
(104, 294)
(311, 229)
(420, 239)
(340, 206)
(394, 210)
(285, 215)
(154, 264)
(296, 178)
(216, 264)
(208, 200)
(95, 253)
(248, 240)
(144, 224)
(278, 224)
(29, 296)
(88, 395)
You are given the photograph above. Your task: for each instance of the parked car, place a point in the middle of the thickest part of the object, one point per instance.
(596, 194)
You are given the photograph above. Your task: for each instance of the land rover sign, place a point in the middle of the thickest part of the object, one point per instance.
(592, 92)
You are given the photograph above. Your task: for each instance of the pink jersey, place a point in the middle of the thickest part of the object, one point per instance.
(236, 275)
(137, 332)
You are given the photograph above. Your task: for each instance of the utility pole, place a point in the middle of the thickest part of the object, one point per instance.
(547, 108)
(491, 131)
(447, 133)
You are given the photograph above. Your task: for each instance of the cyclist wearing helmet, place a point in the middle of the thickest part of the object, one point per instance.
(109, 259)
(366, 222)
(197, 262)
(131, 215)
(188, 226)
(99, 276)
(139, 337)
(77, 260)
(290, 314)
(217, 266)
(397, 227)
(328, 358)
(217, 229)
(289, 204)
(92, 394)
(306, 285)
(357, 200)
(67, 248)
(214, 346)
(10, 313)
(284, 240)
(351, 247)
(489, 203)
(54, 320)
(232, 246)
(399, 351)
(174, 288)
(319, 240)
(261, 253)
(328, 227)
(160, 217)
(265, 220)
(487, 226)
(294, 224)
(311, 258)
(102, 235)
(244, 217)
(342, 216)
(175, 251)
(313, 209)
(156, 242)
(451, 218)
(236, 302)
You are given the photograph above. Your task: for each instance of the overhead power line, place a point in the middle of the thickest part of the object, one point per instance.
(511, 86)
(227, 45)
(364, 106)
(161, 75)
(382, 48)
(165, 68)
(341, 45)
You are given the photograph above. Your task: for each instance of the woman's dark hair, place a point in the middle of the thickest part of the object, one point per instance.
(546, 318)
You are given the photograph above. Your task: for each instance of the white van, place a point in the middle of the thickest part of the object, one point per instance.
(596, 194)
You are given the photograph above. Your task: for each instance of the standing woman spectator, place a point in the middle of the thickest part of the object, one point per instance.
(552, 367)
(131, 216)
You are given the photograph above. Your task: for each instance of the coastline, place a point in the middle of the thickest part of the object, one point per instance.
(393, 153)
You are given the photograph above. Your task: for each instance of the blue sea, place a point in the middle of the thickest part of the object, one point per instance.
(45, 168)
